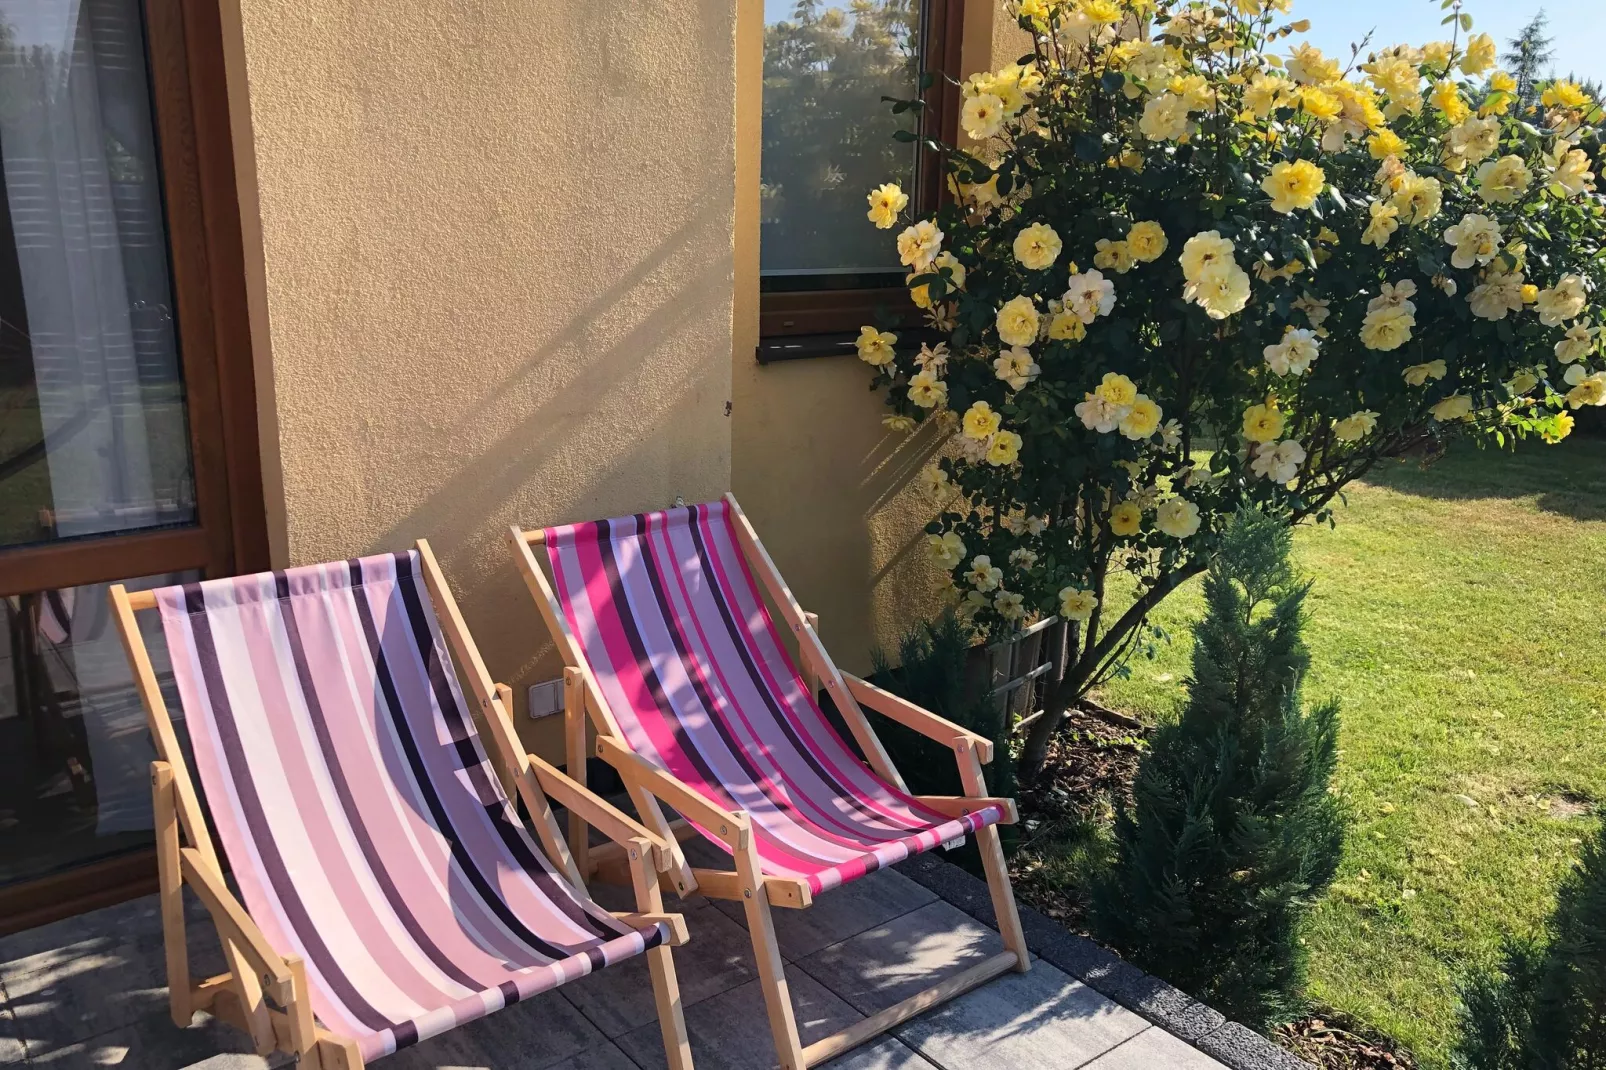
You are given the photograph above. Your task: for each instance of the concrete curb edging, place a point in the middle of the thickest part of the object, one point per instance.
(1107, 973)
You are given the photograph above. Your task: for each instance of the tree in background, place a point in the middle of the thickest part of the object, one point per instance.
(1232, 833)
(1529, 58)
(1545, 1007)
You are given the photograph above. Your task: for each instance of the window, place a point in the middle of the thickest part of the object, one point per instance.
(127, 446)
(827, 141)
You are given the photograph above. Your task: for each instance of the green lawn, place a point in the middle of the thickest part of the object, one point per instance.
(1459, 615)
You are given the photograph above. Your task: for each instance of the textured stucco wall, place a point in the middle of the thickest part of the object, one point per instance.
(495, 276)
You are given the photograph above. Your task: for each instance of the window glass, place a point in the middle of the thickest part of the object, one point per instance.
(93, 432)
(828, 135)
(75, 752)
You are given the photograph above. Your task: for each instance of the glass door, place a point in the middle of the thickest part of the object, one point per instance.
(115, 415)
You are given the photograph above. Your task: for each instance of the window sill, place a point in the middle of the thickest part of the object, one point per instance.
(834, 344)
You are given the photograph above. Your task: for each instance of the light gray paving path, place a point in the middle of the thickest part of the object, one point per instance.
(90, 992)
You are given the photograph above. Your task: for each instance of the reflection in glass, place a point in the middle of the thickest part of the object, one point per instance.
(75, 753)
(93, 435)
(828, 134)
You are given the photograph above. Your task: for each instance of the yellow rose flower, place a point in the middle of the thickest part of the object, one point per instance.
(918, 245)
(1418, 198)
(1564, 95)
(1501, 82)
(1455, 407)
(1126, 519)
(1077, 604)
(956, 270)
(1504, 180)
(1590, 391)
(1017, 321)
(1294, 185)
(1384, 222)
(980, 421)
(927, 391)
(1203, 251)
(1387, 328)
(1067, 326)
(1356, 426)
(893, 421)
(948, 549)
(1320, 104)
(875, 347)
(1221, 291)
(885, 203)
(1529, 292)
(1037, 247)
(1178, 518)
(1481, 55)
(1561, 427)
(1385, 143)
(1113, 256)
(1146, 241)
(1117, 389)
(1004, 449)
(1417, 374)
(982, 116)
(1263, 423)
(1142, 421)
(1446, 96)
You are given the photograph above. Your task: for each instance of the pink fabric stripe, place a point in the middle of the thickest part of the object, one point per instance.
(845, 825)
(253, 636)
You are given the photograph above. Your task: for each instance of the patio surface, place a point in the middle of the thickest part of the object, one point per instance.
(89, 992)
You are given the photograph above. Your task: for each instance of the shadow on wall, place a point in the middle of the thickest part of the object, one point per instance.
(833, 495)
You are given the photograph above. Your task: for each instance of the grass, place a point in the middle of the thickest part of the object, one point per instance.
(1458, 614)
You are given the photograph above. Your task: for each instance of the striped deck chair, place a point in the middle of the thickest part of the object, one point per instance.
(389, 890)
(696, 702)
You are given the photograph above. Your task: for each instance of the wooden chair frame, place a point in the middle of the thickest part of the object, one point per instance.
(265, 993)
(649, 785)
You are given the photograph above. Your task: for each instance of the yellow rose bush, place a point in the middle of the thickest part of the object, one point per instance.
(1189, 263)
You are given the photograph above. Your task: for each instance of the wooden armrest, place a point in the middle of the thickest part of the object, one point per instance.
(639, 920)
(920, 720)
(236, 925)
(731, 828)
(597, 811)
(965, 805)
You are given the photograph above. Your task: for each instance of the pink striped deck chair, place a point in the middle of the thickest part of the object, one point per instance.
(698, 704)
(388, 888)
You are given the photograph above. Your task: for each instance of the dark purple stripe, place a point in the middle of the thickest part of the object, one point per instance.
(738, 637)
(426, 787)
(262, 836)
(818, 816)
(461, 730)
(337, 772)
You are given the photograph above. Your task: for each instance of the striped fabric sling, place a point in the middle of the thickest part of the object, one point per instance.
(355, 802)
(689, 661)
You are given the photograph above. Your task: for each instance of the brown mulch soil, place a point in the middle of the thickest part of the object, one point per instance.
(1090, 767)
(1335, 1042)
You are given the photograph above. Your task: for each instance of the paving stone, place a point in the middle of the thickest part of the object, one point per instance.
(887, 964)
(533, 1035)
(1042, 1019)
(885, 1053)
(1154, 1049)
(1244, 1049)
(11, 1050)
(155, 1043)
(719, 957)
(841, 912)
(731, 1031)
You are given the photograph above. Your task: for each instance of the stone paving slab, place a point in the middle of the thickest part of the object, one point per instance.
(90, 992)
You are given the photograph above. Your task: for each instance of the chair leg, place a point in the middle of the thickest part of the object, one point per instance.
(992, 862)
(660, 961)
(574, 730)
(170, 881)
(303, 1029)
(767, 956)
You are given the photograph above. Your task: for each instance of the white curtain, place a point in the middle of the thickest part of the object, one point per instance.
(81, 182)
(83, 191)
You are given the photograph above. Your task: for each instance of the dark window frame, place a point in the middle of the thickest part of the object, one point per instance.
(189, 103)
(795, 324)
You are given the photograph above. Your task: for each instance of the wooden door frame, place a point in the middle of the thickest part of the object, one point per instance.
(190, 108)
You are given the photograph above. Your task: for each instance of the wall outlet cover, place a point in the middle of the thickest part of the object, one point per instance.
(546, 698)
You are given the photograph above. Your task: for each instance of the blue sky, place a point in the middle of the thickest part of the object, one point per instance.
(1578, 26)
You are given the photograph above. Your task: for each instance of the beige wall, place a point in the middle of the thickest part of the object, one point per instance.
(495, 278)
